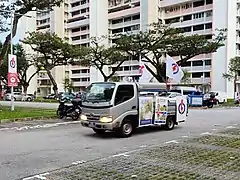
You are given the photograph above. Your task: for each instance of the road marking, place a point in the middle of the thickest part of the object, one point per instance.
(78, 162)
(205, 133)
(39, 126)
(38, 176)
(143, 146)
(121, 154)
(184, 136)
(173, 141)
(230, 127)
(214, 129)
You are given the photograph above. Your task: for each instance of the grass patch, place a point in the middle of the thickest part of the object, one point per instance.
(229, 142)
(196, 156)
(24, 112)
(46, 100)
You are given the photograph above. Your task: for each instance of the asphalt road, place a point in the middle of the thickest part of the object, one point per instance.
(27, 152)
(31, 104)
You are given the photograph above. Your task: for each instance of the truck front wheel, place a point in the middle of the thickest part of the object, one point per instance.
(126, 129)
(170, 124)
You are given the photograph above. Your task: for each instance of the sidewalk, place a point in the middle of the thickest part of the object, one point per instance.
(210, 156)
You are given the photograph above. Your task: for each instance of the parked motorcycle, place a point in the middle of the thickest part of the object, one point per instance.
(72, 111)
(209, 101)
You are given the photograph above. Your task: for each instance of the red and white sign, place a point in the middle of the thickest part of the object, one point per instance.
(12, 79)
(12, 71)
(12, 63)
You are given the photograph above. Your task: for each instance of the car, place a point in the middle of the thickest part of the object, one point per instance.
(18, 96)
(50, 96)
(171, 95)
(68, 96)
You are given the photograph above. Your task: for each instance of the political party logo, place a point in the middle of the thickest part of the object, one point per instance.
(181, 107)
(175, 68)
(13, 62)
(141, 69)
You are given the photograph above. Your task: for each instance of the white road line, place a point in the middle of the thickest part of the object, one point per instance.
(230, 127)
(78, 162)
(184, 136)
(39, 126)
(121, 154)
(38, 176)
(205, 133)
(173, 141)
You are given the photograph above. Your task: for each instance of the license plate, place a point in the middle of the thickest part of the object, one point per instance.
(91, 124)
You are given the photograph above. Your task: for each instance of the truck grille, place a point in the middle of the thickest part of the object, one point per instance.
(93, 117)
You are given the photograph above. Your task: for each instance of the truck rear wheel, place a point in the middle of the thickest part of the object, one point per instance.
(170, 124)
(126, 129)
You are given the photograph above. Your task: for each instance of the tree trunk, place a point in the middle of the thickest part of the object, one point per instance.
(55, 88)
(25, 88)
(106, 78)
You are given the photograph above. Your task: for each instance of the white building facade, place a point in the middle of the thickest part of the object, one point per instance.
(204, 17)
(79, 20)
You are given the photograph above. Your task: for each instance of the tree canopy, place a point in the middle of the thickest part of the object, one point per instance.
(160, 40)
(23, 64)
(233, 69)
(101, 57)
(52, 51)
(20, 8)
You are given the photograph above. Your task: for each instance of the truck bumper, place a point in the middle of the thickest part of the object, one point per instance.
(98, 125)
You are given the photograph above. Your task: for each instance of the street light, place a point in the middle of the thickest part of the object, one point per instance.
(13, 13)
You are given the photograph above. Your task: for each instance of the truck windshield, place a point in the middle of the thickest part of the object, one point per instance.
(99, 92)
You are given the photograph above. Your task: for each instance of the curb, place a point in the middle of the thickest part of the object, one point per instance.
(4, 121)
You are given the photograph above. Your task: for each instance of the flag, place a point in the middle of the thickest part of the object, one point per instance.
(146, 76)
(173, 71)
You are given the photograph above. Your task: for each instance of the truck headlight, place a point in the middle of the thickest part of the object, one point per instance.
(106, 119)
(83, 117)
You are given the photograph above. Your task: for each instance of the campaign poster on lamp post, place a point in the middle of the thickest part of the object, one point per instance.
(145, 111)
(12, 71)
(161, 109)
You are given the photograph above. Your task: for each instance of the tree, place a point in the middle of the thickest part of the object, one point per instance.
(20, 7)
(101, 57)
(68, 84)
(233, 71)
(23, 64)
(186, 77)
(52, 51)
(115, 78)
(160, 40)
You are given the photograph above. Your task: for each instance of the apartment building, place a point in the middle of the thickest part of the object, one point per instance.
(204, 17)
(54, 21)
(79, 20)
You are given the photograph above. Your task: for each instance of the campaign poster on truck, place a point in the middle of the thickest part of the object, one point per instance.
(181, 102)
(145, 111)
(161, 108)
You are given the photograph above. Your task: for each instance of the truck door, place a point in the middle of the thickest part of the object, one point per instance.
(126, 101)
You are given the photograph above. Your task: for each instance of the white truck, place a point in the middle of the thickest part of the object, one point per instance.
(122, 107)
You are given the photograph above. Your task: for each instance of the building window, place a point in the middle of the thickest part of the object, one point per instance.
(116, 21)
(197, 63)
(136, 17)
(208, 62)
(198, 27)
(75, 38)
(208, 26)
(209, 1)
(197, 75)
(207, 74)
(198, 15)
(198, 3)
(75, 30)
(208, 13)
(187, 29)
(75, 13)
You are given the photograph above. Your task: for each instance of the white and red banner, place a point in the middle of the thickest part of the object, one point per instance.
(173, 71)
(12, 71)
